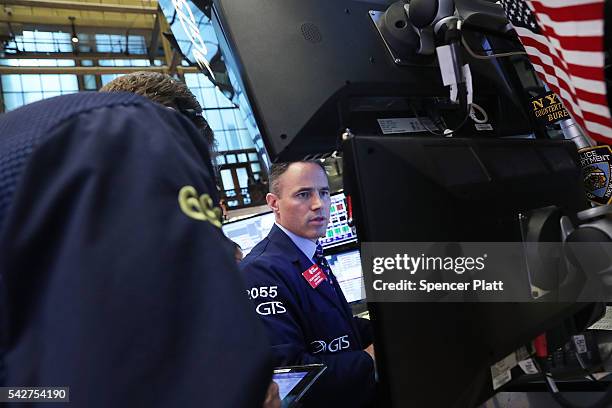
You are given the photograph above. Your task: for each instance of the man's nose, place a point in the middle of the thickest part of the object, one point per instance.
(316, 202)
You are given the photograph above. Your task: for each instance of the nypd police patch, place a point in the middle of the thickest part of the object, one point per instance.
(596, 163)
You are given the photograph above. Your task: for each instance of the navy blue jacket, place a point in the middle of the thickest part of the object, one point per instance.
(307, 325)
(114, 279)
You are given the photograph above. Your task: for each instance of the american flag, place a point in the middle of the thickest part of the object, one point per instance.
(564, 41)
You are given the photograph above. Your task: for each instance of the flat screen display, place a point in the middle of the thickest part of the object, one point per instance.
(287, 381)
(294, 381)
(338, 230)
(249, 231)
(346, 266)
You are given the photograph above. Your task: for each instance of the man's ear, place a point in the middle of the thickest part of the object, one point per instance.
(272, 200)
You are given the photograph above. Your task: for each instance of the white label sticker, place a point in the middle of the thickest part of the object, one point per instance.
(506, 364)
(599, 376)
(528, 366)
(500, 371)
(445, 60)
(605, 323)
(483, 126)
(405, 125)
(501, 379)
(580, 343)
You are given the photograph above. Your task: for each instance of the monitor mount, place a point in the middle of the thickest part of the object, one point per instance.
(414, 31)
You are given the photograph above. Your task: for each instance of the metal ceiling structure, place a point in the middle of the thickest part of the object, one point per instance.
(56, 47)
(119, 14)
(114, 17)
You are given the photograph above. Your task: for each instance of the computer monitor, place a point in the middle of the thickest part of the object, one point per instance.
(454, 190)
(247, 232)
(346, 266)
(312, 68)
(339, 232)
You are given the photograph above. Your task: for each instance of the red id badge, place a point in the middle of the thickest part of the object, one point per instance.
(314, 276)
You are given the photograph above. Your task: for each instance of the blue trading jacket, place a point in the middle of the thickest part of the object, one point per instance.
(114, 277)
(307, 325)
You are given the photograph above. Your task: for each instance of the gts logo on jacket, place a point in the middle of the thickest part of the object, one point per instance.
(337, 344)
(199, 208)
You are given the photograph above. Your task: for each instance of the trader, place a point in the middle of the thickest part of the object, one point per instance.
(297, 296)
(114, 277)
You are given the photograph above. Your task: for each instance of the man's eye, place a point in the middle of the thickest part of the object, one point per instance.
(303, 194)
(324, 193)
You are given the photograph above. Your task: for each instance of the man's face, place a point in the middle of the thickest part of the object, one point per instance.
(302, 204)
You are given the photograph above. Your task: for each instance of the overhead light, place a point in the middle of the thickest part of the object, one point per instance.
(75, 38)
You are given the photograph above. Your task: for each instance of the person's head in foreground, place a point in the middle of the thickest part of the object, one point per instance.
(167, 91)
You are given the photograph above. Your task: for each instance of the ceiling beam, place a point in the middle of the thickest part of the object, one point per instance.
(84, 6)
(155, 36)
(89, 70)
(79, 56)
(188, 70)
(21, 15)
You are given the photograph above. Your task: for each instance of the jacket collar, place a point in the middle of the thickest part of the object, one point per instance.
(305, 245)
(287, 246)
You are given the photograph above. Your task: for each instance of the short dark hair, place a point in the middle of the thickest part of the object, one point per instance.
(278, 169)
(167, 91)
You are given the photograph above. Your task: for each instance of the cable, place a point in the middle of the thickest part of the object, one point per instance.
(444, 132)
(418, 118)
(437, 120)
(592, 370)
(589, 375)
(480, 109)
(603, 402)
(486, 57)
(449, 134)
(583, 366)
